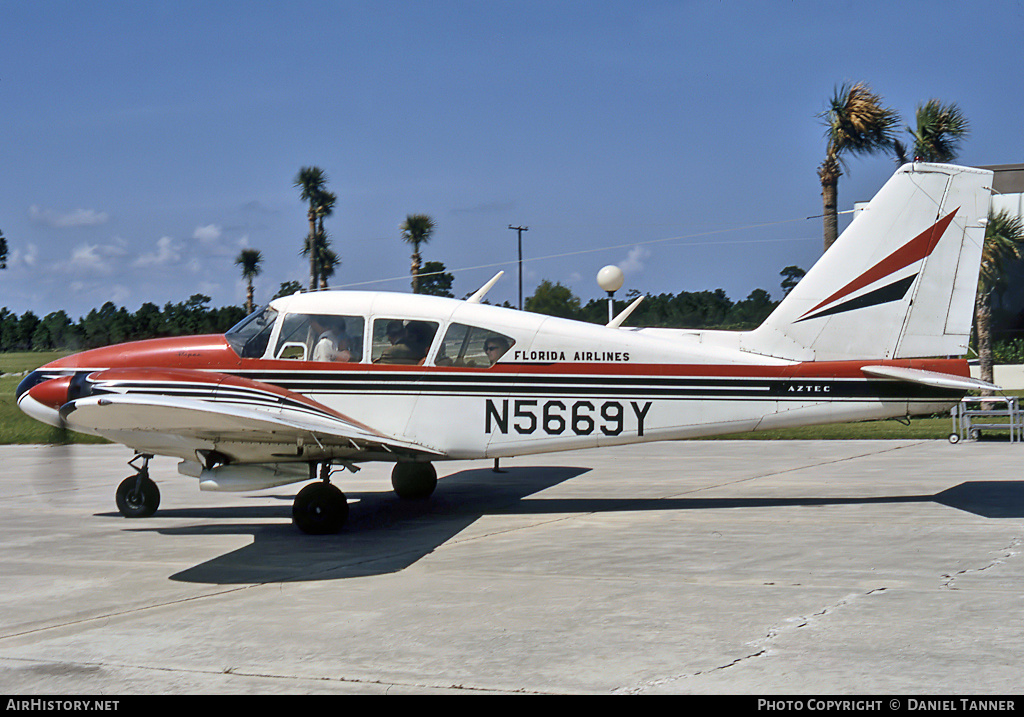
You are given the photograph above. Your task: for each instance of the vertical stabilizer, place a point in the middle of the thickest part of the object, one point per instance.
(900, 281)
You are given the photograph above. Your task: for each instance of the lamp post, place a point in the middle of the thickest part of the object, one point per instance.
(610, 279)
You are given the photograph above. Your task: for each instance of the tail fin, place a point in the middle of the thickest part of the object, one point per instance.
(900, 282)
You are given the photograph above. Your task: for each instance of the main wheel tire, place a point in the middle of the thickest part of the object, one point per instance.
(414, 481)
(137, 497)
(320, 509)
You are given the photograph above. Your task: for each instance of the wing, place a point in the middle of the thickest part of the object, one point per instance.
(179, 412)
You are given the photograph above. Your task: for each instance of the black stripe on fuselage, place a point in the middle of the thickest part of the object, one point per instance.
(692, 388)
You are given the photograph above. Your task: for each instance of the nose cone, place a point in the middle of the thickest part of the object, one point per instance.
(41, 396)
(52, 393)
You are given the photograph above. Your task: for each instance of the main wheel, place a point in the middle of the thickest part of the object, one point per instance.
(414, 481)
(320, 509)
(137, 497)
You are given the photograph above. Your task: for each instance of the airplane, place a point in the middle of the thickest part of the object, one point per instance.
(316, 383)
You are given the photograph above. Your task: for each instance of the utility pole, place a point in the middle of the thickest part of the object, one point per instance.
(520, 230)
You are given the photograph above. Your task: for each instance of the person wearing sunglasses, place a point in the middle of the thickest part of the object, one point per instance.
(495, 347)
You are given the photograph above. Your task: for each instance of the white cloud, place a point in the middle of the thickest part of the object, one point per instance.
(167, 252)
(89, 259)
(64, 220)
(26, 257)
(635, 259)
(209, 233)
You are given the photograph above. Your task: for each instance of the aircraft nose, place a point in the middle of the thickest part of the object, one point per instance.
(41, 394)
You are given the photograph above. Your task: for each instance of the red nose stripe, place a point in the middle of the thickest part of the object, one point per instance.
(52, 393)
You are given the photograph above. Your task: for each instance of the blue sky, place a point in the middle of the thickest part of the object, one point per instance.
(144, 144)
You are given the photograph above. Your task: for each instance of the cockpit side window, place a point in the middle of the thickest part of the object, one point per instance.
(320, 337)
(472, 346)
(250, 336)
(400, 341)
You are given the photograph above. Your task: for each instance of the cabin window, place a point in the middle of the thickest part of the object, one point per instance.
(250, 336)
(320, 337)
(472, 346)
(400, 341)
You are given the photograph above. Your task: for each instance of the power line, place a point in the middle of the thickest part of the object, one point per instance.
(713, 232)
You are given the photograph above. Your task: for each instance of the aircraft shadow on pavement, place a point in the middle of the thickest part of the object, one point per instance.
(386, 534)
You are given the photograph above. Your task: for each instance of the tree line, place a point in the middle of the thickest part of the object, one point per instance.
(687, 309)
(111, 324)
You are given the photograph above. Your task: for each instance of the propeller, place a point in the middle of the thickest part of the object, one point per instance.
(41, 395)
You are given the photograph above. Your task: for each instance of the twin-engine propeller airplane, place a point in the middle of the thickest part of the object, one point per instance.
(327, 379)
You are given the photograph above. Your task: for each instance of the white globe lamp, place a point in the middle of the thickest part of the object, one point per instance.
(610, 278)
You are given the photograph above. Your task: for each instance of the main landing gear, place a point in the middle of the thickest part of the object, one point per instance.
(321, 509)
(138, 496)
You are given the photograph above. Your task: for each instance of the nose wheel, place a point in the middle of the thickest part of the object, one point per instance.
(138, 496)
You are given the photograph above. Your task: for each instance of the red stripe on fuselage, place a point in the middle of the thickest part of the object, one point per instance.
(212, 353)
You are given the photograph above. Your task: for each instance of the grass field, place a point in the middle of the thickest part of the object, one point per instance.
(16, 427)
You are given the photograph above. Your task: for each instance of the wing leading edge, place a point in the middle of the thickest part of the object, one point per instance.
(182, 412)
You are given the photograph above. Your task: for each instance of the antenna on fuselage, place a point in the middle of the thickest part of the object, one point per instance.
(480, 293)
(624, 314)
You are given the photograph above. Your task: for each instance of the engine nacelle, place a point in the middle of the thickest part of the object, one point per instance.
(245, 477)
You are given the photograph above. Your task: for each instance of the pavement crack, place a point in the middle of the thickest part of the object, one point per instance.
(89, 667)
(1007, 553)
(762, 646)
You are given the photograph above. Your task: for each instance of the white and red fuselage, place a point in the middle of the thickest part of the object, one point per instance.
(561, 385)
(350, 376)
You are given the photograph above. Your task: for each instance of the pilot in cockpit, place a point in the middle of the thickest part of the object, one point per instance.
(332, 343)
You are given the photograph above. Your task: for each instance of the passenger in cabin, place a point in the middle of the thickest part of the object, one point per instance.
(495, 347)
(332, 343)
(409, 343)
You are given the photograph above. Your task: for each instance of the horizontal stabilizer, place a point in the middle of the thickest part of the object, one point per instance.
(930, 378)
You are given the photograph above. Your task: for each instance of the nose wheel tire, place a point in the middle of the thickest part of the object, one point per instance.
(137, 497)
(320, 509)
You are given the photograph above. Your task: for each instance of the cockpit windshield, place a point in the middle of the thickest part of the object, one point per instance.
(250, 336)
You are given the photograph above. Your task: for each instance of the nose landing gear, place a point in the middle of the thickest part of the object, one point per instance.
(138, 496)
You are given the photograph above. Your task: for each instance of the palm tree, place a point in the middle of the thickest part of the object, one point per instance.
(940, 129)
(249, 260)
(1004, 243)
(317, 245)
(311, 180)
(856, 123)
(417, 229)
(329, 262)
